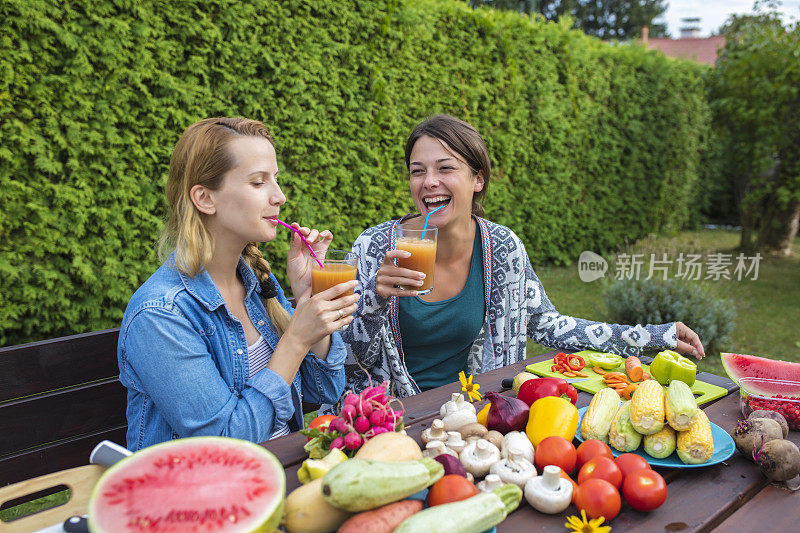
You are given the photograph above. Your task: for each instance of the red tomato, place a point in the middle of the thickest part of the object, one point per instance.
(630, 462)
(451, 488)
(321, 422)
(601, 468)
(589, 449)
(598, 498)
(644, 489)
(557, 451)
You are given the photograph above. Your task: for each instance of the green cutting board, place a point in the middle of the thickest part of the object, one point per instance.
(703, 392)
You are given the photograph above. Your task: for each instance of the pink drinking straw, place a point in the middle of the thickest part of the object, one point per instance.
(310, 249)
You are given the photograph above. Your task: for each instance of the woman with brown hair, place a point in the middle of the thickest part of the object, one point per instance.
(486, 299)
(209, 345)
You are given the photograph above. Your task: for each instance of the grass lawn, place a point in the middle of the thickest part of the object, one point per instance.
(768, 308)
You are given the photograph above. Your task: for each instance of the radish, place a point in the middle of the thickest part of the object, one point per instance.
(338, 442)
(350, 399)
(352, 440)
(348, 412)
(361, 424)
(376, 418)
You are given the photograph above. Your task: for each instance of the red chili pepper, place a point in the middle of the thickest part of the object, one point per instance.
(533, 389)
(560, 358)
(555, 368)
(576, 362)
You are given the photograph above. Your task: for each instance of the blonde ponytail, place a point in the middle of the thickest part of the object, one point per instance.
(277, 314)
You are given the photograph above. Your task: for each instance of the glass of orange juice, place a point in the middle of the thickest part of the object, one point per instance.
(423, 253)
(340, 267)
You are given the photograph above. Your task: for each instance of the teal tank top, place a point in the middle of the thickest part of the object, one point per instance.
(437, 336)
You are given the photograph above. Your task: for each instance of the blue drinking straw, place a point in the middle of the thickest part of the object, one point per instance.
(426, 220)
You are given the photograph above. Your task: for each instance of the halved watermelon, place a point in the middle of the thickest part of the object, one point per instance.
(207, 484)
(739, 366)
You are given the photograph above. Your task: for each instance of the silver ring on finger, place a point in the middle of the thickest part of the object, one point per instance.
(340, 315)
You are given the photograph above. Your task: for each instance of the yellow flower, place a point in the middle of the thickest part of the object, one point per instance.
(470, 388)
(581, 525)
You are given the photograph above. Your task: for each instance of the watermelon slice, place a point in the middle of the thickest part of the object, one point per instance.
(739, 366)
(208, 484)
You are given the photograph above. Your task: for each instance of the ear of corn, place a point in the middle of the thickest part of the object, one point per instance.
(660, 444)
(647, 407)
(622, 436)
(598, 417)
(696, 444)
(680, 406)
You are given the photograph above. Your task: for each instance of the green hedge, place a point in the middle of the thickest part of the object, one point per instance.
(591, 143)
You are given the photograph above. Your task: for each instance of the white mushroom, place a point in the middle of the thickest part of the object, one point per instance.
(437, 447)
(455, 418)
(514, 469)
(454, 441)
(456, 400)
(495, 437)
(479, 456)
(491, 482)
(435, 432)
(549, 493)
(517, 439)
(473, 431)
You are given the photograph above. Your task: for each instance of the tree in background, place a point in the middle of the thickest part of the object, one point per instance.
(607, 19)
(755, 95)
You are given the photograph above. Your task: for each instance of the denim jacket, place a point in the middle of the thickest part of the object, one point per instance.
(183, 357)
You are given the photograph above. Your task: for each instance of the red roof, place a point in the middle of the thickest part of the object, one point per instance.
(702, 50)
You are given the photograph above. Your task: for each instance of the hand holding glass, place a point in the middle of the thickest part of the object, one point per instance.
(422, 248)
(340, 267)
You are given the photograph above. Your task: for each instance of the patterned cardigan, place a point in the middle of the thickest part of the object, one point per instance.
(516, 307)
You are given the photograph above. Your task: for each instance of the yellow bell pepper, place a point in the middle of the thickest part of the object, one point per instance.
(550, 416)
(483, 415)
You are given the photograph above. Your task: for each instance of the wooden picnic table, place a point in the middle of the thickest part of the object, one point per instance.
(730, 496)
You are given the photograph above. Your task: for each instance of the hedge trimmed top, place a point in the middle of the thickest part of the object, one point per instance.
(591, 143)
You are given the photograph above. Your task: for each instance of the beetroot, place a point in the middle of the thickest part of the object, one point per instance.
(451, 464)
(774, 415)
(506, 414)
(750, 434)
(778, 459)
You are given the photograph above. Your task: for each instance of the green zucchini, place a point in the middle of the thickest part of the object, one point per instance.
(478, 513)
(362, 484)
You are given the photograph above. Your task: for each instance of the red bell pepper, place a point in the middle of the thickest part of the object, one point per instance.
(533, 389)
(575, 362)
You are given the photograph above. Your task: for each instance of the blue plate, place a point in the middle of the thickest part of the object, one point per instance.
(724, 447)
(423, 495)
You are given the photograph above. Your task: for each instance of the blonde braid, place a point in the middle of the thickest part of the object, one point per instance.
(277, 314)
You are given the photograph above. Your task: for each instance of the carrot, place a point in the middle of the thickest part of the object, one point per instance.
(570, 373)
(598, 370)
(383, 519)
(615, 375)
(616, 384)
(628, 391)
(580, 374)
(633, 366)
(615, 380)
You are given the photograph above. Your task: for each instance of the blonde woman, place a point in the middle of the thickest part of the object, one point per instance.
(209, 345)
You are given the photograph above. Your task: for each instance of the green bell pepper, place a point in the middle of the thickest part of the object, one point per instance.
(669, 366)
(606, 361)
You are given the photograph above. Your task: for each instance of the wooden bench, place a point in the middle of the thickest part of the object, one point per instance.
(58, 399)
